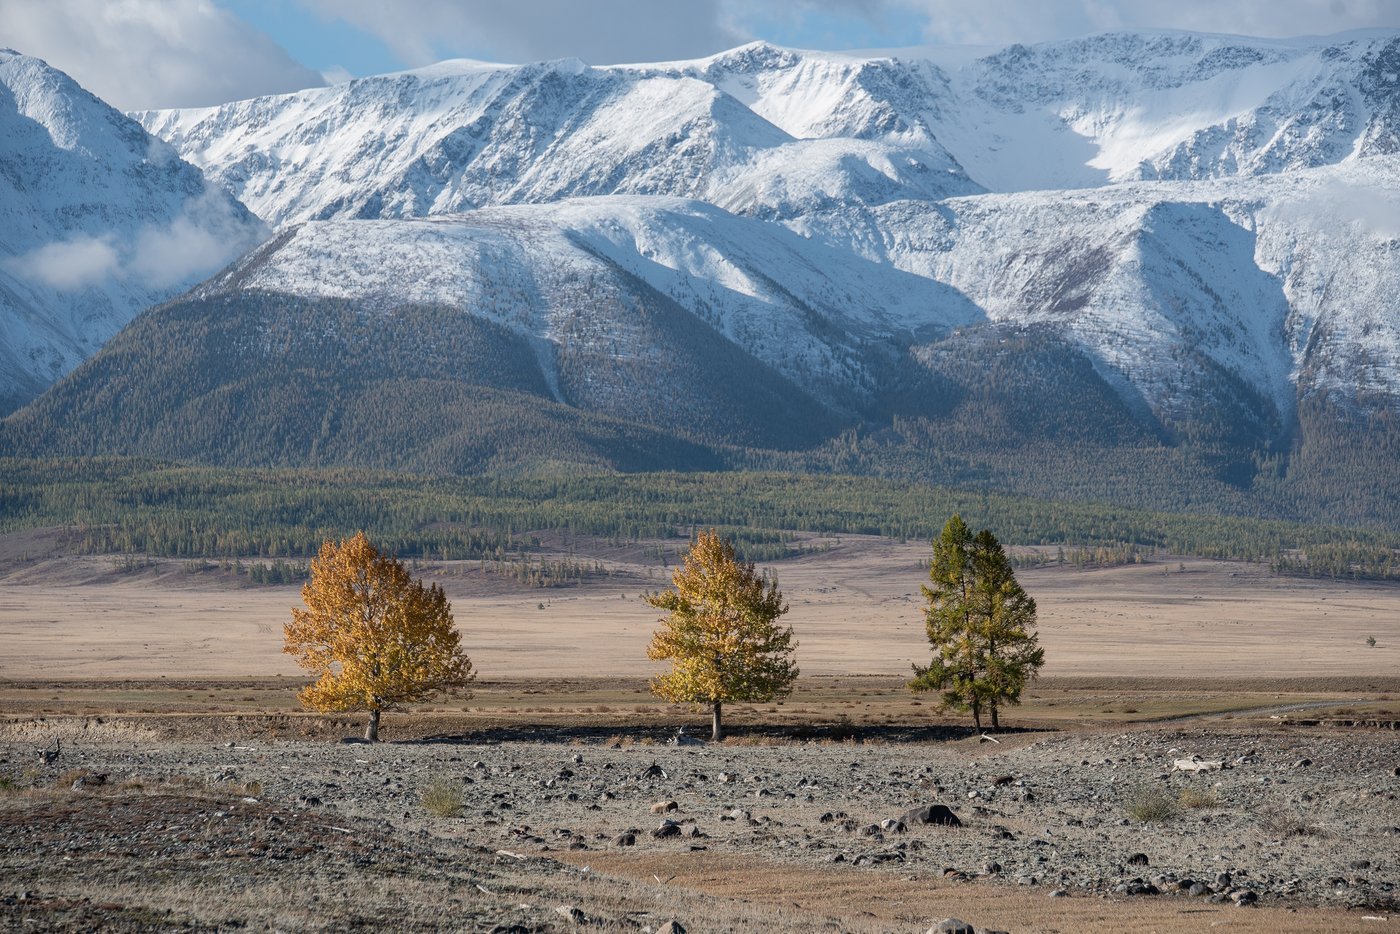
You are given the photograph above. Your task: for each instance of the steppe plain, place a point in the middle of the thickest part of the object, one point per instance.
(224, 806)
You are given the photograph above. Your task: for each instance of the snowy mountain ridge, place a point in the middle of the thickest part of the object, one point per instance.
(1169, 238)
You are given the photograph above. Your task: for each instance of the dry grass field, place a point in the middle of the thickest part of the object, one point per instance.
(856, 608)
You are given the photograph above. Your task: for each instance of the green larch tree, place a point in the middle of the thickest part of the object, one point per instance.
(980, 624)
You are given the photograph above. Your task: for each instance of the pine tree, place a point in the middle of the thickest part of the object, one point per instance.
(375, 637)
(980, 623)
(721, 633)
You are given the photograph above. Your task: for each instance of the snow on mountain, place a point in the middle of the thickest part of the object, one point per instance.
(1154, 196)
(1209, 219)
(1070, 114)
(460, 135)
(98, 220)
(550, 272)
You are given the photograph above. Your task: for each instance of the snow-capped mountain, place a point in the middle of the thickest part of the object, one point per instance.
(772, 131)
(98, 220)
(1151, 240)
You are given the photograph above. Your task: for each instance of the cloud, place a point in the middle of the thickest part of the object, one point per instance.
(599, 31)
(66, 264)
(612, 31)
(139, 54)
(1337, 203)
(206, 235)
(998, 22)
(202, 239)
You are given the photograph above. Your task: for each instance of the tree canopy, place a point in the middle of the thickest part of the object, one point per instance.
(721, 632)
(980, 624)
(374, 636)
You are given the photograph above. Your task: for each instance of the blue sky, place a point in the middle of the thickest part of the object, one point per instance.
(177, 53)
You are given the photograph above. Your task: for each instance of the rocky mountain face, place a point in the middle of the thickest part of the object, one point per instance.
(1163, 242)
(98, 220)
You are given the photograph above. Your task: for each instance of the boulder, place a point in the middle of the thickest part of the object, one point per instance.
(952, 926)
(931, 814)
(572, 914)
(664, 807)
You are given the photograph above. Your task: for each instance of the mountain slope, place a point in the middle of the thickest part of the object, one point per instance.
(97, 220)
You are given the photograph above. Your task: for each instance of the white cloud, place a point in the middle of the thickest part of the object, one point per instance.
(998, 22)
(202, 239)
(67, 264)
(138, 54)
(599, 31)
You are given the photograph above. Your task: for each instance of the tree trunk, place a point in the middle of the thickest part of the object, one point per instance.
(977, 716)
(716, 729)
(372, 729)
(996, 724)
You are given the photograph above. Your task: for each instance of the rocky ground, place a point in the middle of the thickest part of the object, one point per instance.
(473, 828)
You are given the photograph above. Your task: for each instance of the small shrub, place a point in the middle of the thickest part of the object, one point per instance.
(442, 799)
(66, 779)
(1196, 799)
(1371, 641)
(1281, 821)
(253, 789)
(8, 785)
(1147, 805)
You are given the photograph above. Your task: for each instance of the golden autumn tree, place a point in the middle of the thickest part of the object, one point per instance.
(375, 637)
(721, 632)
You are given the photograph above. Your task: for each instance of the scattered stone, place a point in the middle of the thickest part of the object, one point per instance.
(668, 828)
(1059, 893)
(671, 927)
(1138, 859)
(892, 825)
(664, 807)
(1244, 898)
(626, 838)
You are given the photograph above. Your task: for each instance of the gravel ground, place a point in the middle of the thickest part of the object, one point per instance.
(1297, 817)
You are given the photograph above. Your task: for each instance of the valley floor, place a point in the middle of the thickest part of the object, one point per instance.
(136, 827)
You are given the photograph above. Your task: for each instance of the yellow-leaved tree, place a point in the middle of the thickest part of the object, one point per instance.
(721, 632)
(375, 637)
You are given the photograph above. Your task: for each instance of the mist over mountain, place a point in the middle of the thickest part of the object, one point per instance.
(1154, 267)
(98, 220)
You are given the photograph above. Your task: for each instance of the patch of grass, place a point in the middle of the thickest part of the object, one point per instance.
(8, 785)
(442, 798)
(1149, 805)
(1196, 799)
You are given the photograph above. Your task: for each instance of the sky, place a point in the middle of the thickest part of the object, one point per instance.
(140, 54)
